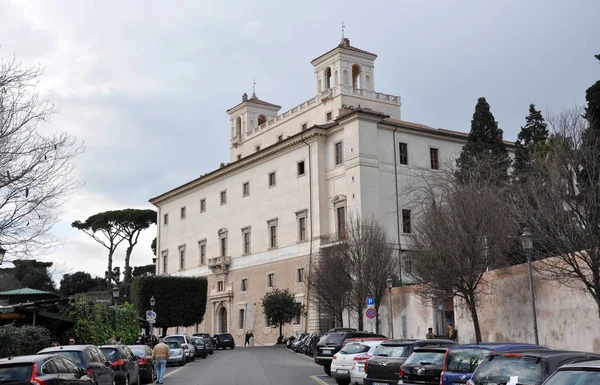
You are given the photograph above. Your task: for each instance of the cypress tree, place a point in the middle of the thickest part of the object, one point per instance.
(532, 136)
(484, 157)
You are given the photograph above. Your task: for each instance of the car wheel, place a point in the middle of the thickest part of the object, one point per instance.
(194, 357)
(327, 369)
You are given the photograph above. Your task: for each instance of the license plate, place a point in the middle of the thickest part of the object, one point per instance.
(225, 340)
(326, 351)
(383, 383)
(342, 371)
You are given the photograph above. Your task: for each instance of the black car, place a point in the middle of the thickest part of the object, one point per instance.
(89, 358)
(581, 373)
(530, 366)
(199, 347)
(145, 363)
(388, 358)
(423, 366)
(208, 341)
(223, 341)
(123, 362)
(51, 369)
(332, 342)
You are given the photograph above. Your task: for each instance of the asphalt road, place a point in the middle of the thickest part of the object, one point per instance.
(249, 366)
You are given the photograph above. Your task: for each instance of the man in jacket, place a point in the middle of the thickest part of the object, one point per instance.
(161, 354)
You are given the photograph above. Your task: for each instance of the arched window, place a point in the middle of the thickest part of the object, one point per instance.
(335, 78)
(261, 120)
(328, 78)
(345, 80)
(238, 127)
(367, 82)
(356, 76)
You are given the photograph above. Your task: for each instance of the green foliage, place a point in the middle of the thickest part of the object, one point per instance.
(80, 282)
(144, 271)
(280, 307)
(153, 246)
(34, 274)
(95, 322)
(24, 340)
(180, 301)
(531, 142)
(484, 145)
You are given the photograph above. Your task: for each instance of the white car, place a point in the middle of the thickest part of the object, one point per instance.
(186, 345)
(354, 351)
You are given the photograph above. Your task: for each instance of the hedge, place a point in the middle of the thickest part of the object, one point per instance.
(23, 340)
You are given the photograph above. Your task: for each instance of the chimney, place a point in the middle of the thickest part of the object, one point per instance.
(245, 97)
(345, 43)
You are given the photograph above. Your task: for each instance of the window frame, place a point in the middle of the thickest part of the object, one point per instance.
(202, 205)
(434, 161)
(272, 179)
(338, 156)
(202, 252)
(220, 286)
(300, 163)
(247, 232)
(403, 155)
(406, 221)
(182, 257)
(223, 246)
(223, 197)
(165, 260)
(241, 318)
(272, 234)
(244, 287)
(340, 224)
(300, 275)
(329, 116)
(304, 126)
(270, 280)
(246, 189)
(182, 212)
(165, 219)
(298, 319)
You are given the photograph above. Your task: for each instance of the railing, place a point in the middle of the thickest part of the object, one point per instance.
(218, 261)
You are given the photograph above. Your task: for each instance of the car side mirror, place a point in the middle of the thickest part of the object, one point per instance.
(107, 363)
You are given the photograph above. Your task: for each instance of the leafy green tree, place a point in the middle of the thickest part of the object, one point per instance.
(180, 301)
(484, 145)
(34, 274)
(280, 308)
(531, 140)
(144, 271)
(80, 282)
(23, 340)
(153, 246)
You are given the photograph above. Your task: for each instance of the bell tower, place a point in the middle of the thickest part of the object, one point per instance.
(249, 115)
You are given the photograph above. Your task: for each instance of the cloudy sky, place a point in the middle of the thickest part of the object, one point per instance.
(146, 83)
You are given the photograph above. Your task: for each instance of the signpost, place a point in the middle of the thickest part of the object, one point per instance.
(371, 314)
(370, 302)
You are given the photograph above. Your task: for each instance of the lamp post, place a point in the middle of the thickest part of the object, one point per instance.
(115, 294)
(152, 303)
(527, 244)
(2, 254)
(389, 283)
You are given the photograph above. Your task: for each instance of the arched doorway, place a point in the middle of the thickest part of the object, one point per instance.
(223, 320)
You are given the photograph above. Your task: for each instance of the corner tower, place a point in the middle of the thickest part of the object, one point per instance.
(247, 116)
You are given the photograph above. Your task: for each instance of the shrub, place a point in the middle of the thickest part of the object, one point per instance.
(24, 340)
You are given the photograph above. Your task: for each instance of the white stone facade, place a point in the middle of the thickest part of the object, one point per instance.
(289, 181)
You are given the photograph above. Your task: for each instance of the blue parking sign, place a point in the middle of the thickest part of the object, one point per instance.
(370, 301)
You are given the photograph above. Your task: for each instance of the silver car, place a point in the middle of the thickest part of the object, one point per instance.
(186, 345)
(177, 353)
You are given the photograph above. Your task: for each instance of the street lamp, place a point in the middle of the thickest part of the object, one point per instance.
(115, 294)
(389, 282)
(527, 243)
(2, 254)
(152, 303)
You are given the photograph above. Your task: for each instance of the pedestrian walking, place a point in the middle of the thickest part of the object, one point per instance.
(430, 334)
(161, 354)
(247, 340)
(153, 341)
(451, 332)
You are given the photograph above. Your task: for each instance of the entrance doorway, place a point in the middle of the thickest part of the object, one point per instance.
(223, 320)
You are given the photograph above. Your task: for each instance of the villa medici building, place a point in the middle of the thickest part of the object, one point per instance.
(258, 222)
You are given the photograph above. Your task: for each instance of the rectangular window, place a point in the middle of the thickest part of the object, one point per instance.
(329, 116)
(182, 212)
(304, 126)
(280, 138)
(271, 280)
(244, 286)
(182, 257)
(223, 244)
(246, 239)
(202, 252)
(341, 222)
(433, 155)
(202, 205)
(241, 317)
(166, 219)
(408, 263)
(300, 275)
(297, 318)
(406, 225)
(301, 228)
(220, 286)
(339, 155)
(224, 197)
(273, 235)
(301, 168)
(257, 148)
(403, 151)
(165, 263)
(246, 189)
(271, 179)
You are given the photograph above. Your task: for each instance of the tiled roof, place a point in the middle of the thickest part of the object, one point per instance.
(345, 44)
(254, 100)
(26, 291)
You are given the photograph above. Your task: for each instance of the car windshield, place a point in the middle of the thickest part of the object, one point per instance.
(138, 350)
(15, 373)
(112, 354)
(197, 341)
(391, 351)
(225, 336)
(575, 377)
(180, 339)
(173, 344)
(426, 358)
(73, 355)
(354, 349)
(501, 370)
(465, 360)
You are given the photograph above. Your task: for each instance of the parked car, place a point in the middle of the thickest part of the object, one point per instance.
(123, 362)
(145, 362)
(89, 358)
(177, 353)
(186, 345)
(199, 347)
(461, 360)
(384, 366)
(223, 341)
(332, 342)
(42, 369)
(353, 351)
(423, 366)
(581, 373)
(208, 341)
(530, 366)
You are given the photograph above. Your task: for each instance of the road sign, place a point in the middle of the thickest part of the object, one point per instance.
(151, 321)
(371, 313)
(371, 321)
(370, 302)
(150, 315)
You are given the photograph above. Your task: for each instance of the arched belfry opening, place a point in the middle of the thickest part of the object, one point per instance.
(238, 127)
(261, 120)
(356, 76)
(328, 78)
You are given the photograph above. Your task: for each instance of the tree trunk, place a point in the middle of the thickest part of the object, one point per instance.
(280, 331)
(109, 274)
(127, 275)
(475, 317)
(359, 312)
